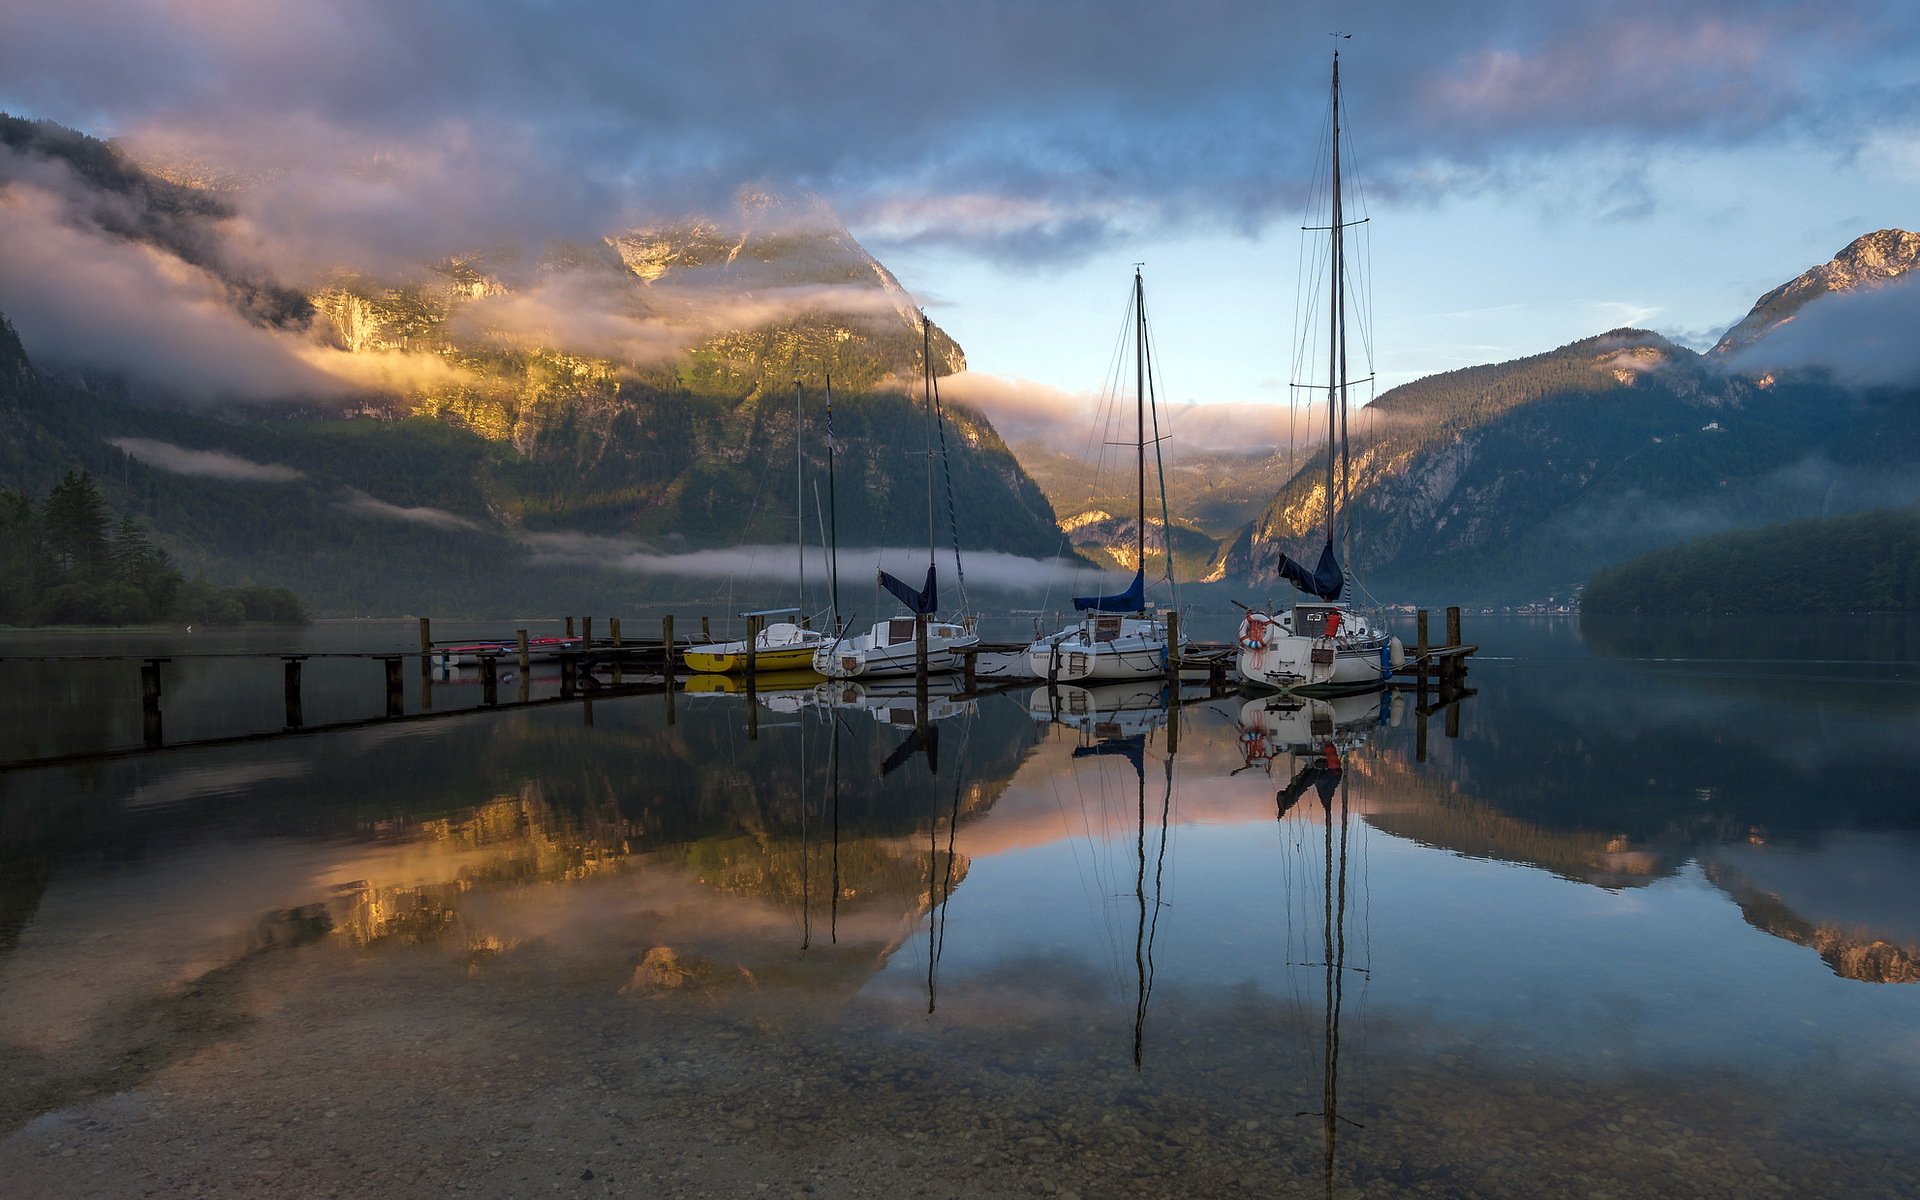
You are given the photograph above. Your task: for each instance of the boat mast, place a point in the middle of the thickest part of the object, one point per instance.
(833, 518)
(1336, 326)
(1140, 421)
(926, 391)
(799, 506)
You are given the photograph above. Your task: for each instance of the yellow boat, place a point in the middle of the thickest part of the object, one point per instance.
(782, 646)
(764, 682)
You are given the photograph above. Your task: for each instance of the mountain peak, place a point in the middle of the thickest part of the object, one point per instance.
(1867, 261)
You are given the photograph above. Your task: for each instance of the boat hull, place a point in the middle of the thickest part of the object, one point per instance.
(889, 651)
(1357, 656)
(718, 661)
(1134, 648)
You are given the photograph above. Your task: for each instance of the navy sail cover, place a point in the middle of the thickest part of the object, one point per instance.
(1324, 581)
(1133, 599)
(927, 600)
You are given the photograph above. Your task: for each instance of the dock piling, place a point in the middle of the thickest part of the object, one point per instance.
(753, 648)
(396, 692)
(150, 700)
(1173, 649)
(426, 645)
(666, 647)
(490, 679)
(294, 716)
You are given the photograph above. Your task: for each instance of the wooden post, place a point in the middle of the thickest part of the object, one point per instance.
(666, 648)
(586, 633)
(426, 691)
(1420, 640)
(569, 674)
(613, 628)
(569, 626)
(396, 692)
(753, 648)
(968, 662)
(490, 679)
(526, 656)
(426, 645)
(1173, 650)
(1453, 719)
(293, 662)
(150, 701)
(706, 631)
(920, 653)
(1453, 625)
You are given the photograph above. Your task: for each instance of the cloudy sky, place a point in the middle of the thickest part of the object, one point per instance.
(1533, 173)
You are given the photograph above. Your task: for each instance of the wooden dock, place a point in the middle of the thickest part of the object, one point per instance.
(615, 665)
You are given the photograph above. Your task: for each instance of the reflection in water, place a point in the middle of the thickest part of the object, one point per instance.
(1589, 907)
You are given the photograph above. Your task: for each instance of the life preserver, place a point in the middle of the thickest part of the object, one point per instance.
(1253, 631)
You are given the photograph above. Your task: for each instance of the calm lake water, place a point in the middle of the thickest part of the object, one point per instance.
(1641, 918)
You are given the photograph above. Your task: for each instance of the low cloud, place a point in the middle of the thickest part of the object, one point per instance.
(610, 315)
(1864, 336)
(208, 464)
(83, 296)
(777, 564)
(360, 503)
(1081, 423)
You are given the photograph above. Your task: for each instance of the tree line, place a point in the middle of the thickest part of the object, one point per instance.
(69, 562)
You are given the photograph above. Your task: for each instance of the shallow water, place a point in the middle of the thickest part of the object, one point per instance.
(1647, 924)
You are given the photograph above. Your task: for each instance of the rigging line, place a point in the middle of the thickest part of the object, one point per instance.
(806, 851)
(946, 471)
(1159, 463)
(953, 827)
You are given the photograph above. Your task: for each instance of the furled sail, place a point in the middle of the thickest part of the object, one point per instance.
(1132, 600)
(924, 601)
(1324, 581)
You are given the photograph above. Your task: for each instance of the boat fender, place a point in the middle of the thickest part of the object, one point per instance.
(1399, 652)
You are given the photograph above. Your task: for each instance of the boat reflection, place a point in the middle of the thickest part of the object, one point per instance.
(1277, 732)
(1320, 771)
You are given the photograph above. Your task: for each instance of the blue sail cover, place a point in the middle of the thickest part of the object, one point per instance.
(1323, 581)
(924, 601)
(1131, 748)
(1132, 600)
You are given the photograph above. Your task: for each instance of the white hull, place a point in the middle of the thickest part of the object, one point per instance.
(888, 650)
(1358, 655)
(1133, 648)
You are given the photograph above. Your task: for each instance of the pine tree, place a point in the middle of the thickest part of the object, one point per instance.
(76, 527)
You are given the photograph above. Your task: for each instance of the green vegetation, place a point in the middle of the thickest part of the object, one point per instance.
(67, 563)
(1868, 562)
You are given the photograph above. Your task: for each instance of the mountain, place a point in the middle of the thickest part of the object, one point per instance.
(455, 433)
(1868, 562)
(1516, 480)
(1867, 261)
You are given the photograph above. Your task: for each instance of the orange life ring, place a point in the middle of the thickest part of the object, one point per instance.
(1253, 631)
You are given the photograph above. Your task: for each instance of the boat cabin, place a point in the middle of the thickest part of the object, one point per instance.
(1318, 620)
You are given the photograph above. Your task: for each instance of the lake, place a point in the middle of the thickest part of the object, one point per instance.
(1639, 918)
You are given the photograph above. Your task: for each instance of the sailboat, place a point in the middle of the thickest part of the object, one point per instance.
(1322, 644)
(1118, 639)
(782, 645)
(892, 647)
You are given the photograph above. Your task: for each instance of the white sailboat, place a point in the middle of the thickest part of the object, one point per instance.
(1322, 644)
(892, 647)
(1118, 638)
(781, 645)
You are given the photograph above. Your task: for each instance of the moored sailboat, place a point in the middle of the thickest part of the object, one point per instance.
(893, 647)
(1118, 638)
(782, 645)
(1322, 644)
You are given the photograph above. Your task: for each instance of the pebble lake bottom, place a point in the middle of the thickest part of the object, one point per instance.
(1648, 926)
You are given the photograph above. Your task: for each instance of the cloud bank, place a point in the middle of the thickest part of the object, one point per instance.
(1867, 336)
(208, 464)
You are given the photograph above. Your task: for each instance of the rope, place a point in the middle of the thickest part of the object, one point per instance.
(946, 472)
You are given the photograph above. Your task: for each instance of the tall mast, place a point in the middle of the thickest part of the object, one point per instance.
(799, 506)
(1336, 326)
(833, 518)
(1140, 417)
(926, 389)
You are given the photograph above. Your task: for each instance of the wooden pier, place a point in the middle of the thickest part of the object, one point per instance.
(616, 665)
